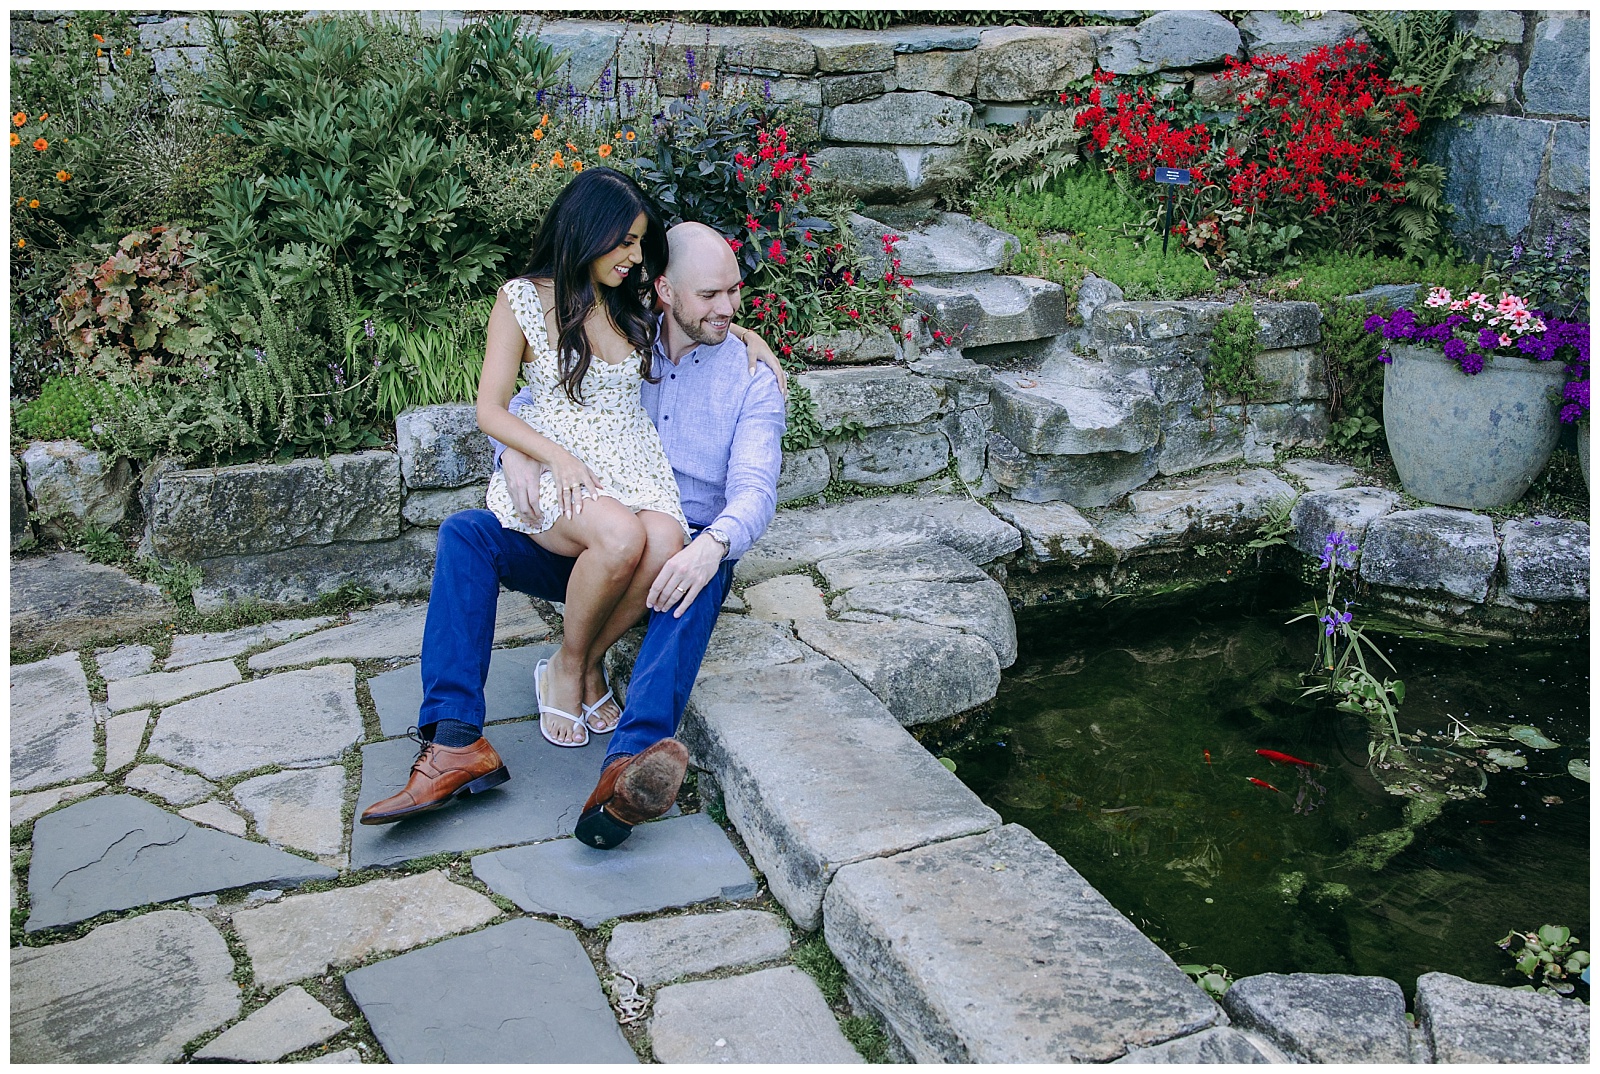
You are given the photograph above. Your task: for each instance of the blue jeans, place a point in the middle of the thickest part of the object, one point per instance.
(476, 555)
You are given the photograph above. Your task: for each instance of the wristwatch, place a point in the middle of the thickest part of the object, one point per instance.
(721, 538)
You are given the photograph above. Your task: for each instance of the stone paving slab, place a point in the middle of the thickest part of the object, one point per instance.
(807, 802)
(301, 808)
(302, 935)
(291, 1021)
(124, 662)
(677, 861)
(215, 815)
(118, 851)
(169, 784)
(163, 687)
(343, 1055)
(1222, 1044)
(51, 724)
(979, 608)
(663, 949)
(1060, 976)
(920, 673)
(394, 632)
(291, 718)
(770, 1016)
(24, 807)
(1319, 476)
(800, 538)
(920, 561)
(65, 599)
(190, 649)
(507, 692)
(1465, 1022)
(124, 736)
(1324, 1017)
(786, 597)
(132, 991)
(519, 992)
(547, 788)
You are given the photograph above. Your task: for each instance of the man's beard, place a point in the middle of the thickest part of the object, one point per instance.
(697, 331)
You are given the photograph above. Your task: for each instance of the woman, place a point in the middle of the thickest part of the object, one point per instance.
(578, 325)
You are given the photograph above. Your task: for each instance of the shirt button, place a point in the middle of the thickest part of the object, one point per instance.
(666, 417)
(672, 376)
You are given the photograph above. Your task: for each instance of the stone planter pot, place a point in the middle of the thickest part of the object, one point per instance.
(1583, 450)
(1470, 442)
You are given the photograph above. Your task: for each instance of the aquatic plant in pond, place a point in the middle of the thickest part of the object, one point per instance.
(1339, 653)
(1550, 958)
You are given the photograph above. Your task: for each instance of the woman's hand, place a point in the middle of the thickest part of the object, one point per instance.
(574, 480)
(522, 482)
(762, 354)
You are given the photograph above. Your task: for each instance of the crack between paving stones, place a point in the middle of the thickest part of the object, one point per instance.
(106, 853)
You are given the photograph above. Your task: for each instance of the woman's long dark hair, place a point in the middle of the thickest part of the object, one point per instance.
(589, 219)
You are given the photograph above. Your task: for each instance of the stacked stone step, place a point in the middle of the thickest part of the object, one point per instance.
(1088, 430)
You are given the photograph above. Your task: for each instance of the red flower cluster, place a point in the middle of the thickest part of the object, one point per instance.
(1317, 138)
(774, 180)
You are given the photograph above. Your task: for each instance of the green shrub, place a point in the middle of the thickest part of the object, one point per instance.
(438, 360)
(1355, 378)
(363, 127)
(57, 414)
(1327, 275)
(142, 306)
(861, 19)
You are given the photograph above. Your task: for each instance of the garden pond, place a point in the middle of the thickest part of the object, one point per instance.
(1128, 740)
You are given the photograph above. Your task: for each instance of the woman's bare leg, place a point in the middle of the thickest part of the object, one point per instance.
(663, 540)
(607, 540)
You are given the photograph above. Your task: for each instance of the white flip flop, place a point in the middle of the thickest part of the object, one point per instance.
(590, 710)
(538, 693)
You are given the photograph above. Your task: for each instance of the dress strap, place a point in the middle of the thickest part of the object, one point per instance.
(524, 299)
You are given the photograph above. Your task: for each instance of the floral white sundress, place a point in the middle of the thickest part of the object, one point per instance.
(609, 431)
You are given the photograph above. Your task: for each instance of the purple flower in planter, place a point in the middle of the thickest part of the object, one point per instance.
(1472, 364)
(1385, 357)
(1488, 338)
(1455, 349)
(1375, 322)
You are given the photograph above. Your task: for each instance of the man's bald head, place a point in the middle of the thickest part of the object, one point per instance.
(697, 253)
(700, 287)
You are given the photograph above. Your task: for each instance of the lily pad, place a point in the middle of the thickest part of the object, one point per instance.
(1530, 737)
(1506, 759)
(1578, 768)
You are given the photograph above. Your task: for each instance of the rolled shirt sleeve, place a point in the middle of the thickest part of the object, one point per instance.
(522, 398)
(754, 460)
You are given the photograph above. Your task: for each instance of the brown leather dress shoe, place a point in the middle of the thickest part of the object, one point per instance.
(631, 791)
(439, 775)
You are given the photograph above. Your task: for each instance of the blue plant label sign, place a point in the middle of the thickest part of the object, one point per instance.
(1173, 176)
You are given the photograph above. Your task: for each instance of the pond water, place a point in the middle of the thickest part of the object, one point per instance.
(1127, 740)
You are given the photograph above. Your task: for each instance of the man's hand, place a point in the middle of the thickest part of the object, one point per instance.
(684, 575)
(522, 482)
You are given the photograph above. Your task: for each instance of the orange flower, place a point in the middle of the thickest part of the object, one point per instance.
(577, 165)
(629, 136)
(617, 135)
(127, 52)
(571, 148)
(34, 204)
(20, 118)
(99, 52)
(534, 166)
(100, 39)
(544, 120)
(43, 116)
(705, 85)
(62, 177)
(21, 243)
(16, 139)
(537, 134)
(558, 161)
(40, 144)
(604, 151)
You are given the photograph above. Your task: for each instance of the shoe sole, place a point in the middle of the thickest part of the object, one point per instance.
(477, 786)
(651, 786)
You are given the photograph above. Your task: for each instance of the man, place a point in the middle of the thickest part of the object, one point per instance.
(722, 426)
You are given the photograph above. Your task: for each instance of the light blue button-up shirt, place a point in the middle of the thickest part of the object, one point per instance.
(722, 427)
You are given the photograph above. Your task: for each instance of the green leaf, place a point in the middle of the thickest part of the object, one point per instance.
(948, 763)
(1530, 737)
(1554, 935)
(1578, 768)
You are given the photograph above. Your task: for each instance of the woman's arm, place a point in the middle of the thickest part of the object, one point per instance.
(502, 355)
(761, 353)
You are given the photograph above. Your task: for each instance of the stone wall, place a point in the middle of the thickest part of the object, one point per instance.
(891, 104)
(1518, 166)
